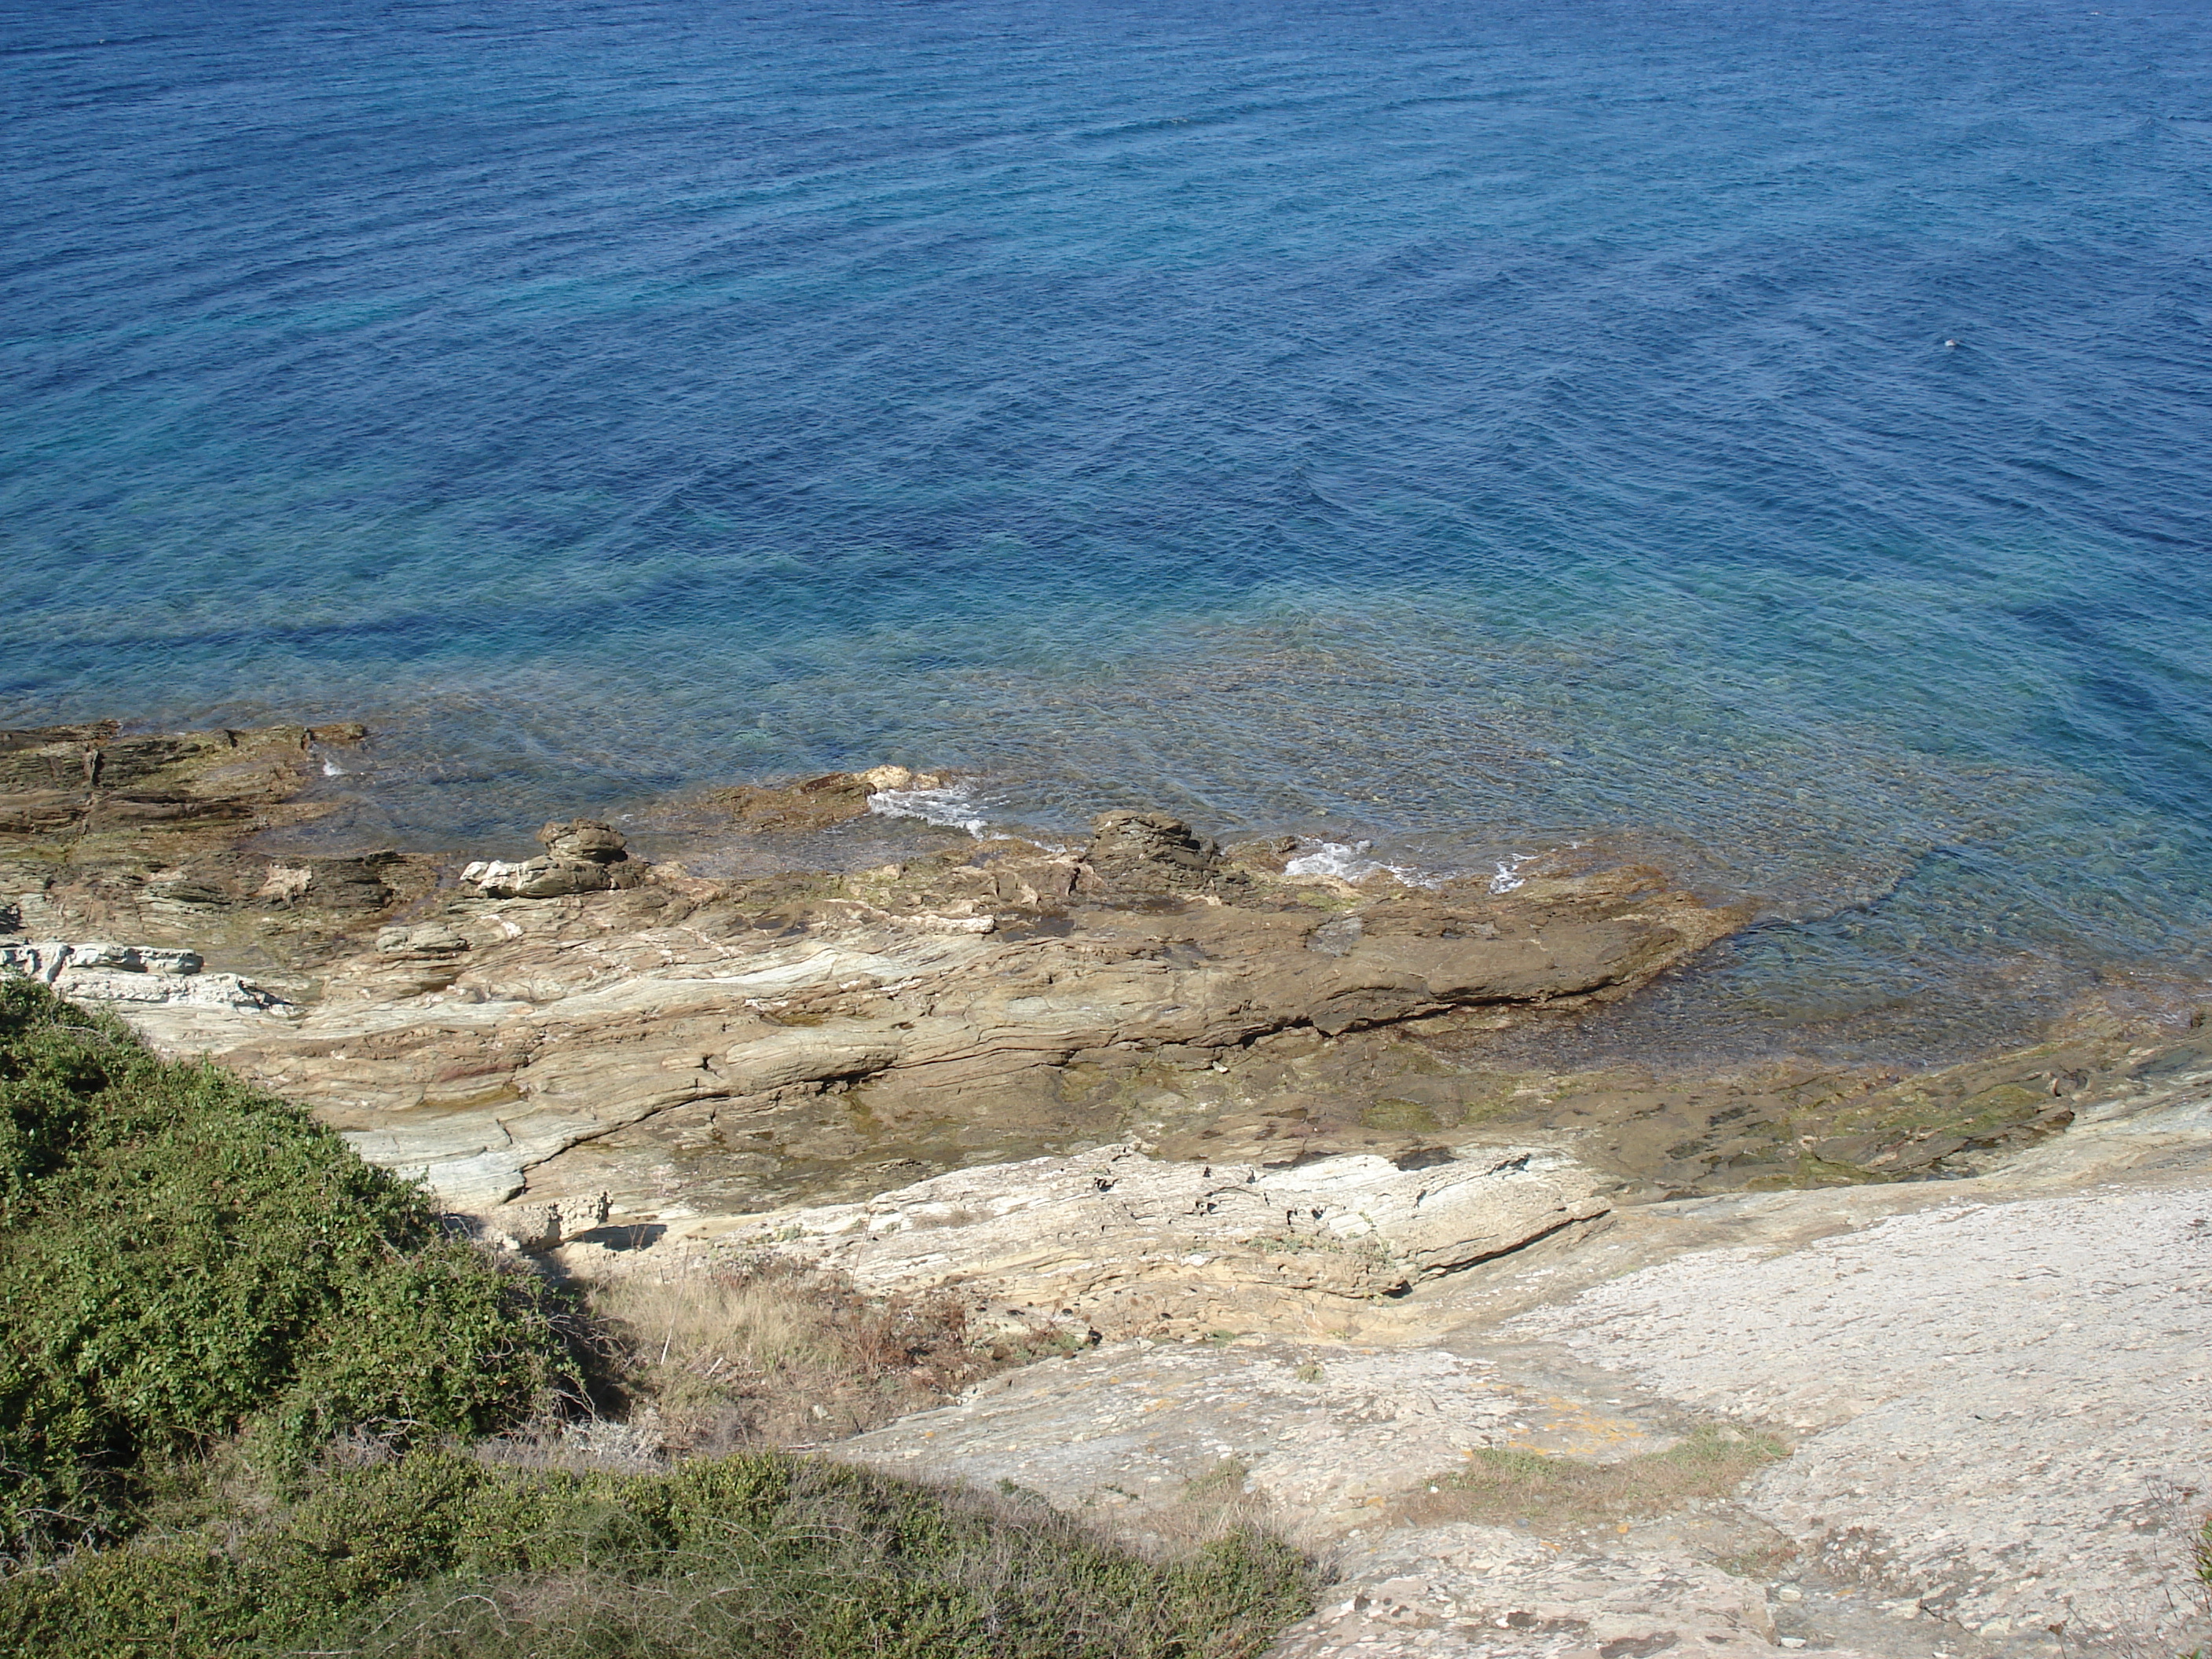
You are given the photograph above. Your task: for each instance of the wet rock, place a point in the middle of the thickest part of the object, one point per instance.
(145, 836)
(810, 804)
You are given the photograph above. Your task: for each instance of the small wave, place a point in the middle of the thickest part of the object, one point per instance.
(1349, 862)
(332, 768)
(953, 808)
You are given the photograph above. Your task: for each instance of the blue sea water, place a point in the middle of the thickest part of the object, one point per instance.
(1768, 435)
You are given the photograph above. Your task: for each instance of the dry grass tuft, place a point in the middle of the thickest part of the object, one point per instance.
(1567, 1494)
(720, 1354)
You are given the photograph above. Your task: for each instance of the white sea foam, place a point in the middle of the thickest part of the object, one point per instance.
(1508, 875)
(1350, 862)
(954, 808)
(332, 768)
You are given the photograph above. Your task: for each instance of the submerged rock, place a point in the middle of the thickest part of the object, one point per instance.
(163, 838)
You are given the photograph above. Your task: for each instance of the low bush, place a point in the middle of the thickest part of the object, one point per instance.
(187, 1262)
(756, 1556)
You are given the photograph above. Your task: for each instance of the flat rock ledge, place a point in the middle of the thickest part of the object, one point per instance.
(1993, 1393)
(1133, 1245)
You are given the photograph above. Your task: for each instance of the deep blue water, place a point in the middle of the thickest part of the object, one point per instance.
(1476, 426)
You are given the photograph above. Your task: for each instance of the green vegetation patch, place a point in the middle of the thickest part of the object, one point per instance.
(186, 1262)
(437, 1554)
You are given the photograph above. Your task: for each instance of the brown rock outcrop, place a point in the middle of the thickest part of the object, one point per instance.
(816, 803)
(685, 1038)
(1153, 853)
(582, 855)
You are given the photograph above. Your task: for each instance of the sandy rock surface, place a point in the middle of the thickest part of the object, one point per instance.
(1996, 1391)
(1327, 1434)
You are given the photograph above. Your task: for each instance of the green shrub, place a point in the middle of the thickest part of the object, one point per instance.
(760, 1554)
(185, 1259)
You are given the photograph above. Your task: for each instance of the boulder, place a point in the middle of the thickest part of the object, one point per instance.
(547, 877)
(584, 839)
(1152, 852)
(534, 1228)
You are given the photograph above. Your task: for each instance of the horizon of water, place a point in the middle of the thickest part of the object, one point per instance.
(1768, 438)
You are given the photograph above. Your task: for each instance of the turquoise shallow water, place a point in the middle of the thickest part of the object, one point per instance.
(1475, 429)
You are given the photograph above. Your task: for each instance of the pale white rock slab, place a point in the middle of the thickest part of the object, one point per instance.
(1325, 1434)
(2003, 1403)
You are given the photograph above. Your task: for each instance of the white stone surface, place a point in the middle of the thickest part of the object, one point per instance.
(2002, 1402)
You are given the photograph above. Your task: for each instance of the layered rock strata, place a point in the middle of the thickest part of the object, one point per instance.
(581, 856)
(1257, 1110)
(131, 974)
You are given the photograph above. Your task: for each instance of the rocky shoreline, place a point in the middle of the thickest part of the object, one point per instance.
(1154, 1091)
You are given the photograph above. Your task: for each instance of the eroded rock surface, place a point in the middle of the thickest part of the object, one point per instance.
(582, 855)
(1328, 1434)
(1216, 1098)
(133, 975)
(1130, 1244)
(697, 1046)
(702, 1046)
(2002, 1402)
